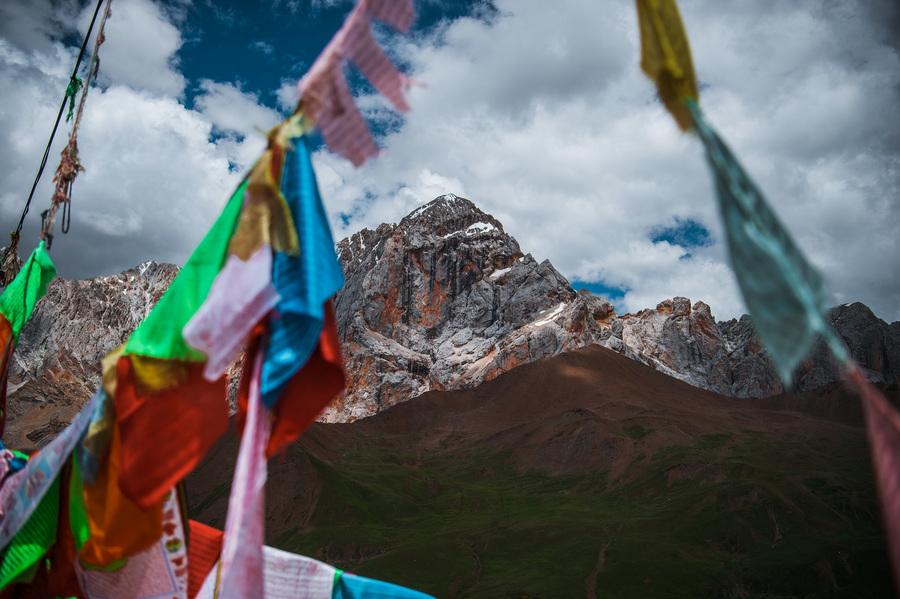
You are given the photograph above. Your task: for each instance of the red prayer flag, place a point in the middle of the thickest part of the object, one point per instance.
(166, 433)
(204, 547)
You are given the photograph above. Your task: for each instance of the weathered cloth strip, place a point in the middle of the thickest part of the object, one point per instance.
(306, 394)
(265, 218)
(291, 576)
(666, 57)
(783, 292)
(325, 96)
(22, 492)
(240, 297)
(119, 528)
(7, 345)
(287, 576)
(17, 302)
(304, 282)
(310, 390)
(241, 573)
(93, 448)
(160, 571)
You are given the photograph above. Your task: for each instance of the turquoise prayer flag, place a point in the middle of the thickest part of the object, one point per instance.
(784, 293)
(350, 586)
(304, 282)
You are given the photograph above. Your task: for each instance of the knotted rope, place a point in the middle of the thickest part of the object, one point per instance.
(10, 262)
(69, 165)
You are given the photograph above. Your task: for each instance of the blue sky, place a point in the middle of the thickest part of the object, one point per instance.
(536, 111)
(260, 46)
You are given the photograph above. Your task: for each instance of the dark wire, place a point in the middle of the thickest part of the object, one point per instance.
(62, 107)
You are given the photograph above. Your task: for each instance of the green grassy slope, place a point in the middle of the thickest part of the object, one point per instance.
(724, 517)
(584, 476)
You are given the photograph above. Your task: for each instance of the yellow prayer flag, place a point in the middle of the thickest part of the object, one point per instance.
(666, 57)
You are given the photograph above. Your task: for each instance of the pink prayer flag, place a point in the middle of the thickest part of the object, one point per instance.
(396, 13)
(362, 50)
(325, 96)
(883, 424)
(159, 571)
(241, 572)
(241, 295)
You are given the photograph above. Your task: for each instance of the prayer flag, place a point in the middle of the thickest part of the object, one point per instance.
(666, 56)
(304, 282)
(324, 95)
(784, 293)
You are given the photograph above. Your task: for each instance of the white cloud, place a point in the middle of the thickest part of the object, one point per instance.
(140, 49)
(157, 173)
(541, 116)
(287, 94)
(264, 47)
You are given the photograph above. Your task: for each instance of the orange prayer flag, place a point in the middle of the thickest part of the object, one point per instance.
(119, 527)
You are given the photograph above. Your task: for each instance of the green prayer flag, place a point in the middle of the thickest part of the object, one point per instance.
(20, 297)
(32, 541)
(783, 291)
(78, 518)
(159, 335)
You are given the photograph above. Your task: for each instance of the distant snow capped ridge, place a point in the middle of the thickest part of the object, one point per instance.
(444, 299)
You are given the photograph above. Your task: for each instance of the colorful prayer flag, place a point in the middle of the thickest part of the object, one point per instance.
(783, 292)
(304, 282)
(241, 567)
(22, 492)
(324, 94)
(666, 56)
(240, 297)
(161, 570)
(20, 297)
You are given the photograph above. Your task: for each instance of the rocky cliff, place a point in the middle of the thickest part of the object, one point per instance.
(445, 299)
(56, 366)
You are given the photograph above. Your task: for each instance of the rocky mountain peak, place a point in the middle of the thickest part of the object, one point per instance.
(450, 215)
(444, 299)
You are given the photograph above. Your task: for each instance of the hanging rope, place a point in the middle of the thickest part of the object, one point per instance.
(69, 165)
(10, 263)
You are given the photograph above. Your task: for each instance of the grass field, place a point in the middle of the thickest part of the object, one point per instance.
(734, 516)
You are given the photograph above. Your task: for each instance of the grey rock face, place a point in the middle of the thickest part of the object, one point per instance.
(446, 299)
(56, 366)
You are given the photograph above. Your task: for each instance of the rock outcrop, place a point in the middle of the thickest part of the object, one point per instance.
(56, 366)
(445, 299)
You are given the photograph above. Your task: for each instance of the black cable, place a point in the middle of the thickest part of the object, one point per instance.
(62, 107)
(67, 211)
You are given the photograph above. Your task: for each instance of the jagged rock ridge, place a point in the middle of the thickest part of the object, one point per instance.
(445, 299)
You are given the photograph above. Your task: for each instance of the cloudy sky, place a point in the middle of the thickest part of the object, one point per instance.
(535, 110)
